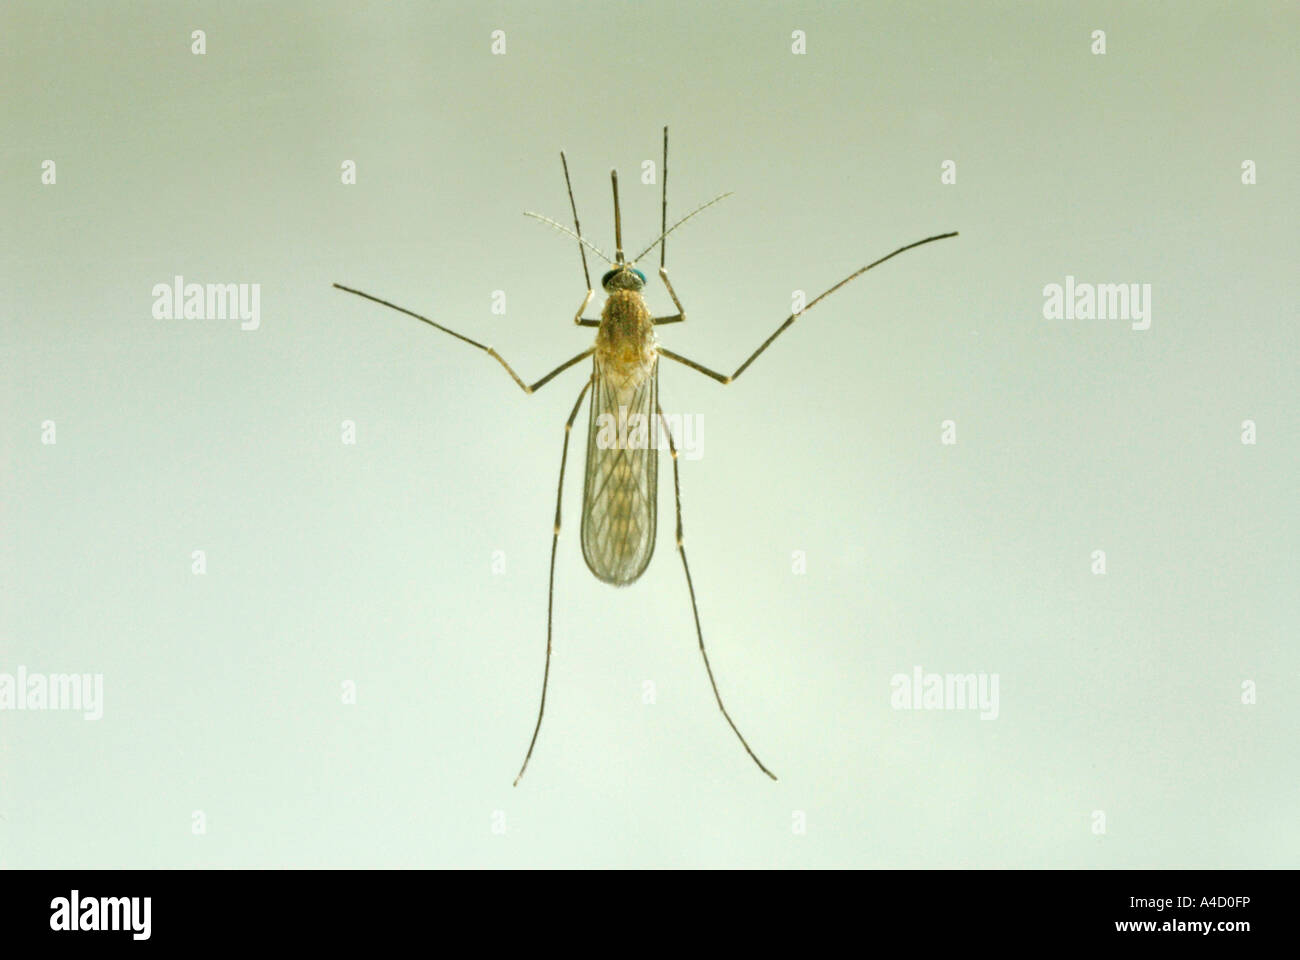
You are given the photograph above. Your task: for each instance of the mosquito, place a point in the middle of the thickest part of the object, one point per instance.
(619, 489)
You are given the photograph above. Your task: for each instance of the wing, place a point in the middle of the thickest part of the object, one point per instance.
(618, 497)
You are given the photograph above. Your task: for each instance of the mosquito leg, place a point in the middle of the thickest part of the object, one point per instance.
(721, 378)
(560, 369)
(695, 610)
(680, 315)
(582, 251)
(663, 222)
(550, 586)
(578, 317)
(526, 388)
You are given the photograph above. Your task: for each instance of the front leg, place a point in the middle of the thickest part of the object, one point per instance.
(578, 317)
(680, 315)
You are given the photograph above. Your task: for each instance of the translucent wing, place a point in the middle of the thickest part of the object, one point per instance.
(618, 498)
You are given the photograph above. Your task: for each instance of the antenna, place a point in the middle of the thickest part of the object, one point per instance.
(702, 207)
(569, 233)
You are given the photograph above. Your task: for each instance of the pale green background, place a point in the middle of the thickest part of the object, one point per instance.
(373, 563)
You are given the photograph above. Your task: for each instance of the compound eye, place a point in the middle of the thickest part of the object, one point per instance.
(639, 274)
(604, 281)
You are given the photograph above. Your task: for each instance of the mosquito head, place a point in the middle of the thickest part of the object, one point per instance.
(624, 276)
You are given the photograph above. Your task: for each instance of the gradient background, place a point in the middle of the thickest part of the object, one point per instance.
(372, 563)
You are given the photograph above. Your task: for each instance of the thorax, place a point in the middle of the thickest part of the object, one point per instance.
(625, 342)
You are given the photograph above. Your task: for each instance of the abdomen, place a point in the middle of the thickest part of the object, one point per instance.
(619, 492)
